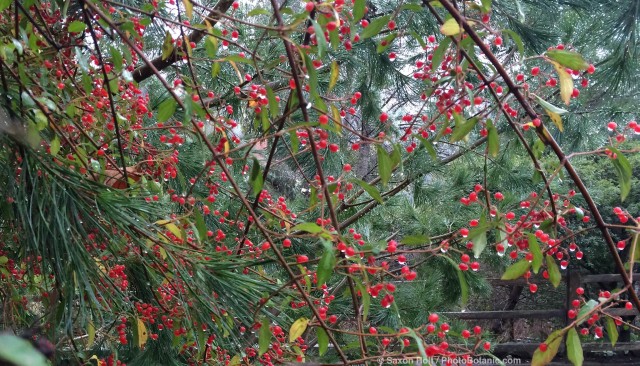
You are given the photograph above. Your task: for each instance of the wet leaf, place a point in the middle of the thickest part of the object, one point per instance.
(450, 28)
(297, 329)
(516, 270)
(553, 343)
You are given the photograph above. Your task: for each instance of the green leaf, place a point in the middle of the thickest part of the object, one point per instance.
(384, 165)
(320, 39)
(414, 7)
(516, 38)
(428, 145)
(570, 59)
(116, 58)
(554, 272)
(309, 227)
(462, 280)
(211, 46)
(358, 10)
(5, 4)
(167, 45)
(387, 41)
(438, 54)
(371, 190)
(534, 248)
(493, 139)
(91, 333)
(550, 107)
(486, 6)
(375, 27)
(258, 11)
(295, 142)
(623, 170)
(416, 240)
(273, 103)
(450, 27)
(166, 109)
(462, 127)
(326, 264)
(516, 270)
(553, 343)
(419, 341)
(55, 145)
(366, 303)
(479, 244)
(18, 351)
(264, 337)
(201, 226)
(574, 348)
(297, 329)
(323, 341)
(77, 26)
(418, 38)
(215, 69)
(586, 309)
(612, 331)
(256, 179)
(395, 156)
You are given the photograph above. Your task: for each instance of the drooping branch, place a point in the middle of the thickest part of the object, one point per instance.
(546, 137)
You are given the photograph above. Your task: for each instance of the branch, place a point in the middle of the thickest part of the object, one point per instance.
(546, 137)
(147, 70)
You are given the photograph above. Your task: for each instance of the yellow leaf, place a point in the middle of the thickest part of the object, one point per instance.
(335, 73)
(171, 227)
(235, 361)
(142, 333)
(297, 329)
(208, 25)
(189, 49)
(91, 334)
(553, 342)
(557, 120)
(450, 28)
(188, 8)
(235, 67)
(167, 46)
(100, 265)
(337, 119)
(566, 83)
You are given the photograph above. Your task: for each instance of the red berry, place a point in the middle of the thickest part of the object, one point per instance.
(433, 318)
(302, 259)
(535, 71)
(309, 6)
(384, 117)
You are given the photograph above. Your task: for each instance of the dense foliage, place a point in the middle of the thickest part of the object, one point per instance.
(268, 181)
